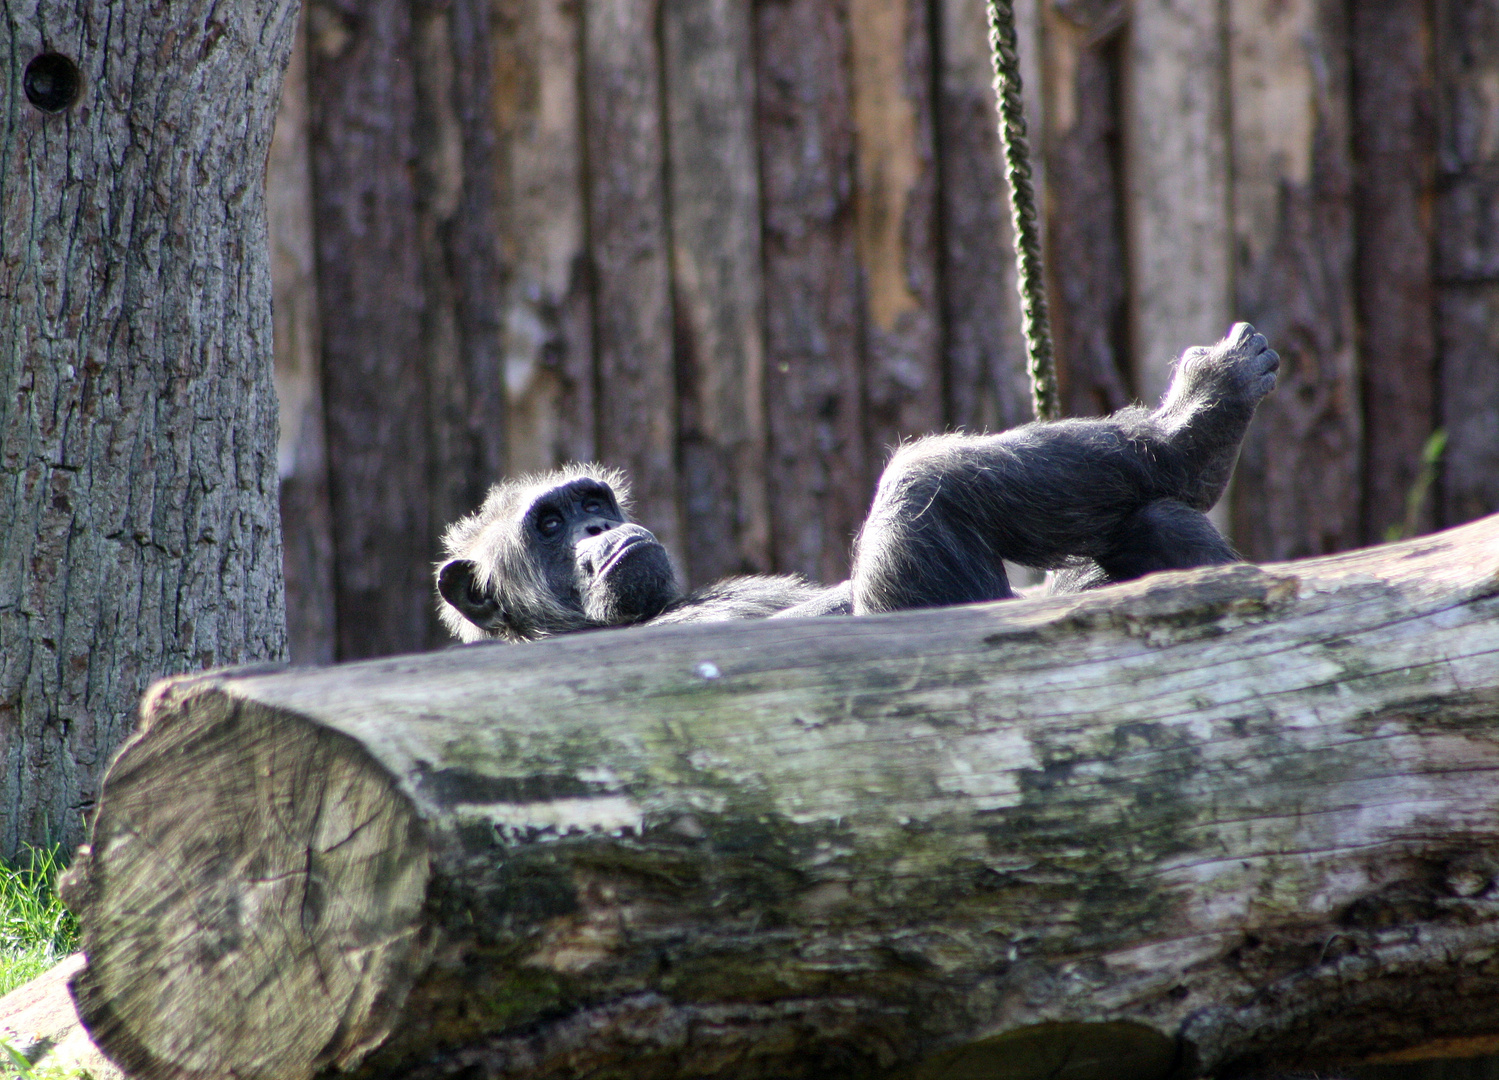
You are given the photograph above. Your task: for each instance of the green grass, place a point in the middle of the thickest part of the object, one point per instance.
(13, 1063)
(36, 931)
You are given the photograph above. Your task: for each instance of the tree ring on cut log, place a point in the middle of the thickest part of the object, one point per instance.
(287, 876)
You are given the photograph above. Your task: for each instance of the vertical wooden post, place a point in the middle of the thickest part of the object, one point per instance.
(637, 414)
(461, 361)
(1394, 146)
(542, 224)
(1177, 171)
(1468, 255)
(306, 519)
(370, 279)
(983, 350)
(1298, 487)
(718, 290)
(1085, 253)
(895, 208)
(818, 476)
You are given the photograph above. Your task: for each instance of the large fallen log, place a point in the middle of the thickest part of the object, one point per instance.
(1206, 821)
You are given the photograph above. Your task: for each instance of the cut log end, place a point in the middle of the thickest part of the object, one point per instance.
(282, 880)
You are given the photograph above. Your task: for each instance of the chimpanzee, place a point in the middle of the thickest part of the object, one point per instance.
(1103, 500)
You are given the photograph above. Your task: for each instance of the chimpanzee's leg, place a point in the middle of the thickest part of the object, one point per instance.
(1126, 491)
(1163, 535)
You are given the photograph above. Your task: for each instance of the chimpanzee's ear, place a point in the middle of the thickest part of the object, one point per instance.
(458, 582)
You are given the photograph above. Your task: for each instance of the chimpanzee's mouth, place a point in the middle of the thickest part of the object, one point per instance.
(626, 545)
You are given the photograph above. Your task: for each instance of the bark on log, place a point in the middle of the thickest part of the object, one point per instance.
(1203, 821)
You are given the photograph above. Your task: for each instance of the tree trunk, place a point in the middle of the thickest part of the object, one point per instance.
(536, 49)
(138, 529)
(405, 185)
(1203, 821)
(370, 279)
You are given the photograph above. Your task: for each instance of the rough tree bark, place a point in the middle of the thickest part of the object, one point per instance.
(138, 529)
(1240, 815)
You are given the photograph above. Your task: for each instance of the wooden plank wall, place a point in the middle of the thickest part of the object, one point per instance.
(741, 250)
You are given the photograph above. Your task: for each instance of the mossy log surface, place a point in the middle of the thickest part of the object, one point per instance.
(1205, 821)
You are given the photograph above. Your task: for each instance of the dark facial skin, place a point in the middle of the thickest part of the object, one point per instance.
(596, 568)
(617, 572)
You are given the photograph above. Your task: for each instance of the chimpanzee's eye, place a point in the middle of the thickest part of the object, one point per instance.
(549, 524)
(593, 506)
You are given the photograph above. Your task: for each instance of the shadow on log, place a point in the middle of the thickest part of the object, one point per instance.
(1230, 818)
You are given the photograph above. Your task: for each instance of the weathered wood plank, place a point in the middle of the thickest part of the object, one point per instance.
(1468, 255)
(718, 288)
(1298, 486)
(306, 516)
(895, 213)
(819, 479)
(984, 351)
(369, 258)
(462, 348)
(626, 175)
(1176, 154)
(542, 226)
(1086, 260)
(1394, 147)
(1202, 821)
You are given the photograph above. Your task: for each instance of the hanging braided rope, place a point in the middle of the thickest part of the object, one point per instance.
(1035, 322)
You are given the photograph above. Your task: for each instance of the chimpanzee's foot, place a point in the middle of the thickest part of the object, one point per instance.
(1239, 370)
(1208, 407)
